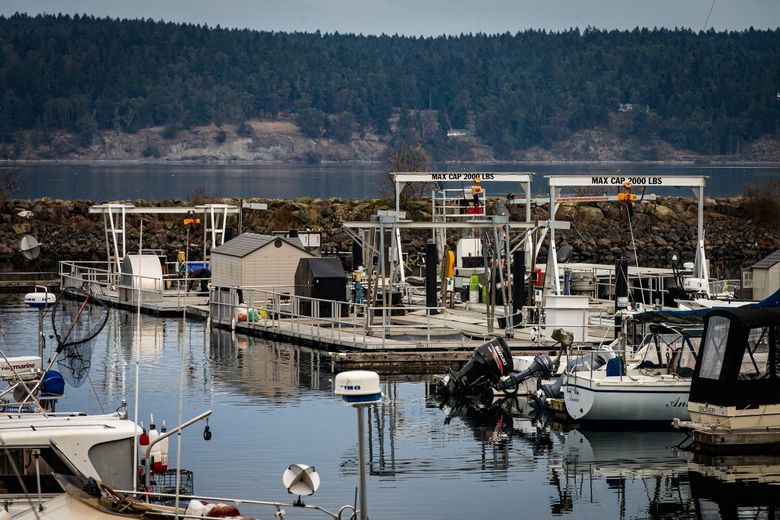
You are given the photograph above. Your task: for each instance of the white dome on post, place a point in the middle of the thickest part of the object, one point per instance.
(358, 387)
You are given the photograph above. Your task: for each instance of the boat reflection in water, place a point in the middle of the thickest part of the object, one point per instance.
(648, 473)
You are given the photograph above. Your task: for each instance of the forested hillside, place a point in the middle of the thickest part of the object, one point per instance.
(707, 92)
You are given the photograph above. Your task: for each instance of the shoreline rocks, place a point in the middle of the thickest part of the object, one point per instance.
(600, 232)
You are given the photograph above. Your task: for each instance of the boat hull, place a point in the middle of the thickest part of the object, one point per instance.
(762, 417)
(624, 399)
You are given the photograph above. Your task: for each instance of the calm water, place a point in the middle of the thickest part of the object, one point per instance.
(273, 405)
(109, 182)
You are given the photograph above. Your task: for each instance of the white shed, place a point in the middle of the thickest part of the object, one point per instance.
(766, 276)
(252, 260)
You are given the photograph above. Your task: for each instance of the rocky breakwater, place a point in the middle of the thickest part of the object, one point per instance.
(658, 229)
(600, 232)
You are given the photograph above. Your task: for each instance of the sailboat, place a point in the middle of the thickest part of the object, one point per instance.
(653, 389)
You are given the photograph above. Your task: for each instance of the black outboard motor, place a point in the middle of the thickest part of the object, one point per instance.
(488, 364)
(542, 367)
(590, 361)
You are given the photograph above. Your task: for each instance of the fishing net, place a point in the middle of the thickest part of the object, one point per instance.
(77, 319)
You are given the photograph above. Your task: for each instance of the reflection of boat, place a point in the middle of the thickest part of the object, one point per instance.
(653, 389)
(735, 486)
(735, 392)
(623, 459)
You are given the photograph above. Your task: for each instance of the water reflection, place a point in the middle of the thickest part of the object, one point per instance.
(643, 474)
(256, 367)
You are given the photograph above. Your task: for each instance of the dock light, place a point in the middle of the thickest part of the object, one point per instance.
(359, 389)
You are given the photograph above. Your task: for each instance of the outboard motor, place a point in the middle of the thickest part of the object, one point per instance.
(542, 367)
(589, 361)
(488, 364)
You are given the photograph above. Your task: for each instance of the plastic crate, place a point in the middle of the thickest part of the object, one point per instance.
(166, 483)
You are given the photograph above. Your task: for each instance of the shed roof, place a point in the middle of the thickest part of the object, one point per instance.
(325, 267)
(767, 261)
(247, 243)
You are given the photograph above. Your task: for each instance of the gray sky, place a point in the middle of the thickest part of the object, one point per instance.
(424, 17)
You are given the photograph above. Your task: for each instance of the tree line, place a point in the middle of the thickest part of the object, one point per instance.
(711, 92)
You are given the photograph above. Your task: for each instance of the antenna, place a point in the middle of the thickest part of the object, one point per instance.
(360, 389)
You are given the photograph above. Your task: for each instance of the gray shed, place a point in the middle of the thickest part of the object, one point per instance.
(252, 260)
(765, 276)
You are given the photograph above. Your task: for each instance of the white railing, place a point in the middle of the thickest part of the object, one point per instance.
(279, 311)
(97, 277)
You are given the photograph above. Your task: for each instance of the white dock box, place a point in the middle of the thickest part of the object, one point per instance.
(568, 312)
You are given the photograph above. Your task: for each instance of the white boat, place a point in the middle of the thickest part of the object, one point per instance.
(653, 389)
(596, 396)
(101, 447)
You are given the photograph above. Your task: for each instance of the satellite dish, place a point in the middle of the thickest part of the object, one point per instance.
(29, 247)
(301, 480)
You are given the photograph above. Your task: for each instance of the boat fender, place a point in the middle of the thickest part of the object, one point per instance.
(195, 509)
(161, 464)
(143, 440)
(155, 453)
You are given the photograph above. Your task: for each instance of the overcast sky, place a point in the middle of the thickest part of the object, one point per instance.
(425, 17)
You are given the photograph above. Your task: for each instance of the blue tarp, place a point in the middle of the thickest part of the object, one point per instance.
(697, 316)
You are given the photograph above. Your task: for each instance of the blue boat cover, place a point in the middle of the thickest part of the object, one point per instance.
(697, 315)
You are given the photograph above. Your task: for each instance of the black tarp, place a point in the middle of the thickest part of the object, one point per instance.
(321, 278)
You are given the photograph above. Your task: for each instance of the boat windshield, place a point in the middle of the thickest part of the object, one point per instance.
(715, 347)
(756, 359)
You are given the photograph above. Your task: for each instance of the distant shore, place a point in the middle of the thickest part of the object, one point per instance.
(267, 141)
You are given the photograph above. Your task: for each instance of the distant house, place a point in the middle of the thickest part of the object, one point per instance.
(632, 107)
(453, 132)
(763, 277)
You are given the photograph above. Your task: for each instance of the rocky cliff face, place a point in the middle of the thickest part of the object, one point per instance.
(600, 232)
(282, 141)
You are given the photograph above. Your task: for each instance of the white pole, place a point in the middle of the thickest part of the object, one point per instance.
(362, 461)
(137, 356)
(181, 407)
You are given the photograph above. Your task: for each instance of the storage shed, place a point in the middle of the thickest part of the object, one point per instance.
(764, 276)
(252, 260)
(322, 278)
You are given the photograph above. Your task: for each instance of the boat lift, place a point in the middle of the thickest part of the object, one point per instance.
(557, 182)
(115, 215)
(523, 178)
